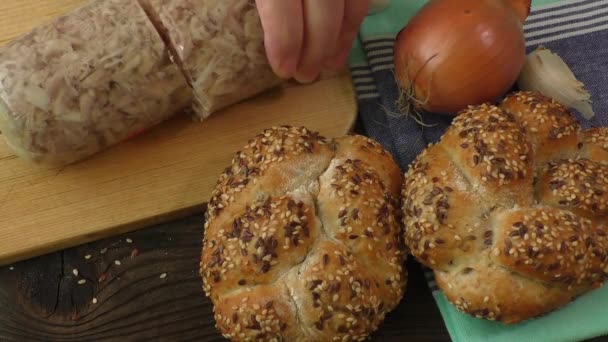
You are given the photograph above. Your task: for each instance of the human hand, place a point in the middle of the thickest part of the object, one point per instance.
(303, 37)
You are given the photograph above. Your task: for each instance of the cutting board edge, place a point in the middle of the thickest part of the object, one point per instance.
(77, 240)
(138, 224)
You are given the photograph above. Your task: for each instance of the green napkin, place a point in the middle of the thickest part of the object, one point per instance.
(370, 61)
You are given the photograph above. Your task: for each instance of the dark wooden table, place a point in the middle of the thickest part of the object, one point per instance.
(154, 294)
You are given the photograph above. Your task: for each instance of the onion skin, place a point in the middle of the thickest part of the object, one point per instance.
(522, 7)
(456, 53)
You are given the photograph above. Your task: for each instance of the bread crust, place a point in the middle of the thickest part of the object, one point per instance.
(521, 231)
(311, 226)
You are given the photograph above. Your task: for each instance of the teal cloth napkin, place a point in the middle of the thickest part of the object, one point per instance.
(562, 23)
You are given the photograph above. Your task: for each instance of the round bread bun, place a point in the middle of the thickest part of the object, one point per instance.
(509, 208)
(303, 239)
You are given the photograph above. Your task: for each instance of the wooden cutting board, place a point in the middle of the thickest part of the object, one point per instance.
(163, 174)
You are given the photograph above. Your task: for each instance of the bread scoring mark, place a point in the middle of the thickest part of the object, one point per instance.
(367, 220)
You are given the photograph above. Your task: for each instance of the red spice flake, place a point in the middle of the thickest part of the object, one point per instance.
(102, 277)
(75, 317)
(134, 253)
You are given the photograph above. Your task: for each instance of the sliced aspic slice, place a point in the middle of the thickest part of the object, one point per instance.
(219, 45)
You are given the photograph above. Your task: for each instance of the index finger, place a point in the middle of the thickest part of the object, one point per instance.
(354, 13)
(283, 24)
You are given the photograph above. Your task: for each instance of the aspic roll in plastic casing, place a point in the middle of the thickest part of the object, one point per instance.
(220, 46)
(86, 81)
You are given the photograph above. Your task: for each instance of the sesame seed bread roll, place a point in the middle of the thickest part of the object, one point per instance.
(303, 239)
(510, 207)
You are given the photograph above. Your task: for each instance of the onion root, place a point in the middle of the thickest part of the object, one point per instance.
(409, 104)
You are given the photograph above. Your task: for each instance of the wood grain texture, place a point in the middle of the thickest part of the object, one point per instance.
(42, 300)
(165, 173)
(20, 16)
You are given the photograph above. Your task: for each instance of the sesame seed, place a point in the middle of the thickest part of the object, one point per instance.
(75, 272)
(129, 240)
(82, 281)
(117, 262)
(163, 275)
(88, 256)
(103, 251)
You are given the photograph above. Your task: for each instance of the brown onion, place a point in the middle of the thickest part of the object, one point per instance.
(456, 53)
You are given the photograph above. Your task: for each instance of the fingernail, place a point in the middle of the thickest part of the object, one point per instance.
(306, 77)
(286, 68)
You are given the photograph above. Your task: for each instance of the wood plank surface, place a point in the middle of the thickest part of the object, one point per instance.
(165, 173)
(20, 16)
(42, 300)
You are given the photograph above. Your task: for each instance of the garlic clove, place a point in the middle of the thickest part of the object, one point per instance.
(547, 73)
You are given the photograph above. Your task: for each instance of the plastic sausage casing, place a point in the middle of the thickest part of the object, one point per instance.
(220, 46)
(85, 81)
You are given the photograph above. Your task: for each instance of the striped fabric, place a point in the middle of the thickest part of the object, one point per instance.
(380, 57)
(577, 30)
(566, 19)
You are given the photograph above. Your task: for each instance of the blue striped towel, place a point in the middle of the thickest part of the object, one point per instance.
(577, 30)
